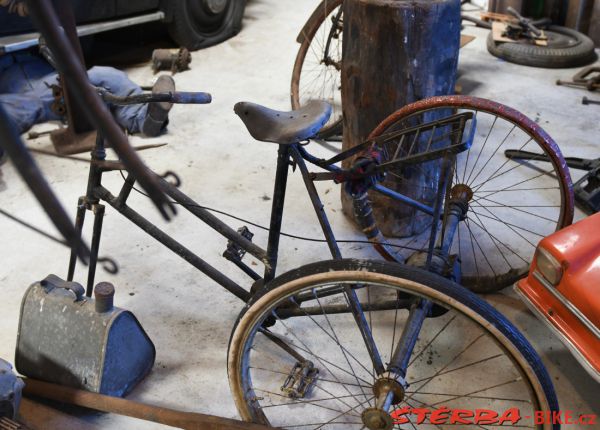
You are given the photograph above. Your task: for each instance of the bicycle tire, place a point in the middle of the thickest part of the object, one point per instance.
(579, 52)
(407, 279)
(537, 137)
(306, 36)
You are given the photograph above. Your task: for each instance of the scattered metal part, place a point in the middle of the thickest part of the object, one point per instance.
(65, 338)
(586, 101)
(300, 380)
(58, 106)
(524, 28)
(10, 391)
(35, 135)
(586, 189)
(171, 59)
(588, 78)
(236, 253)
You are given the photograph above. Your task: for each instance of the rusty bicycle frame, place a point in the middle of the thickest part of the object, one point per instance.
(240, 243)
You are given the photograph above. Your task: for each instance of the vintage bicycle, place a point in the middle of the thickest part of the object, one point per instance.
(346, 342)
(350, 343)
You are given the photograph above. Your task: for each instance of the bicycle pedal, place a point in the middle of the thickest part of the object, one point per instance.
(235, 252)
(300, 381)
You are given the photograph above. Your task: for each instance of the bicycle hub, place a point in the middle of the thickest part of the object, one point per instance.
(388, 391)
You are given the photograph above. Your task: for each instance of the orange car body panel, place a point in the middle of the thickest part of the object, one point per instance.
(572, 307)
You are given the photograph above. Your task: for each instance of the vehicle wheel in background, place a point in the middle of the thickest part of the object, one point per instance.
(196, 24)
(566, 48)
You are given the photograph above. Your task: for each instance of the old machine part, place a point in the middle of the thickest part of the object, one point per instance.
(10, 391)
(169, 417)
(235, 253)
(586, 189)
(522, 28)
(300, 381)
(174, 60)
(70, 339)
(586, 101)
(587, 78)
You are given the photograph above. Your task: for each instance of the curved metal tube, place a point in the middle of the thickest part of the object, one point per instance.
(46, 20)
(15, 148)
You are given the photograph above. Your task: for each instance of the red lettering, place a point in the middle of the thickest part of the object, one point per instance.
(485, 416)
(512, 415)
(421, 415)
(459, 416)
(439, 416)
(398, 415)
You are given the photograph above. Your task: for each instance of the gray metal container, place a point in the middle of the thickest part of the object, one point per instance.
(69, 339)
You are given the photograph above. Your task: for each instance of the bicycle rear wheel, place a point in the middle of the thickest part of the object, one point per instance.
(317, 70)
(513, 204)
(469, 358)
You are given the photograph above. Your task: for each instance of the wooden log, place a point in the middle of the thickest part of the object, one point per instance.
(395, 52)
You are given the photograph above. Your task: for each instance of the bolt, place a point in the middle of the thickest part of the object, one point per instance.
(104, 293)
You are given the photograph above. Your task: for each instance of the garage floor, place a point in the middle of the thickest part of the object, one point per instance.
(188, 316)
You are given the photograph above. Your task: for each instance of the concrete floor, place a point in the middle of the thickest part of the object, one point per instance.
(188, 316)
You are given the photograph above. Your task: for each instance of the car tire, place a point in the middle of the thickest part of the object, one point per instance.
(566, 48)
(196, 24)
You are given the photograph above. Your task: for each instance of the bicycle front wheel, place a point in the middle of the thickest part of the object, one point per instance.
(297, 359)
(513, 204)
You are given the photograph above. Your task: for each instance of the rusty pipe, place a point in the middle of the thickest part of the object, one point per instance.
(116, 405)
(46, 20)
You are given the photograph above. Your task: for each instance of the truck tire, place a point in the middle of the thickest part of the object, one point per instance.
(196, 24)
(566, 48)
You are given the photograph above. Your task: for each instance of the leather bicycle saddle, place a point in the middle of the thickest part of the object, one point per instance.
(285, 128)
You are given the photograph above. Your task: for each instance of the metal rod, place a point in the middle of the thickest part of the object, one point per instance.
(99, 402)
(11, 142)
(404, 199)
(410, 335)
(173, 245)
(79, 220)
(281, 174)
(351, 296)
(97, 233)
(388, 305)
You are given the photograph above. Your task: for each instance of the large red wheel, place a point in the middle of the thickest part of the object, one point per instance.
(514, 204)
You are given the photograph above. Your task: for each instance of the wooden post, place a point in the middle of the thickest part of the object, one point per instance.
(395, 52)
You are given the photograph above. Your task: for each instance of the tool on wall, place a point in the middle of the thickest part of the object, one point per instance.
(586, 189)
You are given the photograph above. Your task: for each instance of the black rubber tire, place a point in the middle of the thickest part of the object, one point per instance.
(452, 291)
(580, 54)
(193, 27)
